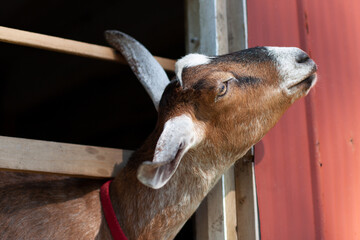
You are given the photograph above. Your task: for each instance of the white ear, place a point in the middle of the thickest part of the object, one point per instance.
(179, 135)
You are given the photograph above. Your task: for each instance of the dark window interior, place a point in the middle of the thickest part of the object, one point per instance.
(57, 97)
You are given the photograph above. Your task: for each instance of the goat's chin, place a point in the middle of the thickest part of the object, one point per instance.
(303, 87)
(311, 83)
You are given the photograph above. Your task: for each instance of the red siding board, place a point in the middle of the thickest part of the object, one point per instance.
(337, 104)
(308, 166)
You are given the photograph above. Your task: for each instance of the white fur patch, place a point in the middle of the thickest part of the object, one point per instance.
(290, 70)
(190, 60)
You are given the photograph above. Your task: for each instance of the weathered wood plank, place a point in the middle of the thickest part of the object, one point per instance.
(17, 154)
(57, 44)
(246, 202)
(246, 218)
(218, 27)
(237, 25)
(230, 204)
(207, 34)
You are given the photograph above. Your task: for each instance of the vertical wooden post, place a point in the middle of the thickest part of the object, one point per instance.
(246, 202)
(246, 199)
(229, 212)
(207, 33)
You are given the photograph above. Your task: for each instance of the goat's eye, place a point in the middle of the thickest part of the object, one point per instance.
(223, 89)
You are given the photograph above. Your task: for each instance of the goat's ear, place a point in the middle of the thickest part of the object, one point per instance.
(179, 135)
(149, 72)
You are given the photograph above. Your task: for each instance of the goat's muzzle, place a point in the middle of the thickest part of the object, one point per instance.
(296, 69)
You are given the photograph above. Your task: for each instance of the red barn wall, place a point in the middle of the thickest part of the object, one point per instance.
(308, 167)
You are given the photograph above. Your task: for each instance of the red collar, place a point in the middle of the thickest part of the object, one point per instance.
(114, 226)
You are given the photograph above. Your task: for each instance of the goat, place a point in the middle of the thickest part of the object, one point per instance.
(209, 116)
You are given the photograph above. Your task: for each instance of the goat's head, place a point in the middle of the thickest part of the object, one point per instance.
(225, 102)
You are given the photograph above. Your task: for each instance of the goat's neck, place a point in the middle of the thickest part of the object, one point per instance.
(145, 213)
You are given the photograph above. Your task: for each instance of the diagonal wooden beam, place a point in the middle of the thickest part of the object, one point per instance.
(57, 44)
(18, 154)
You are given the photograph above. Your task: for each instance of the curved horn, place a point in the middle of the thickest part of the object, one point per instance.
(149, 72)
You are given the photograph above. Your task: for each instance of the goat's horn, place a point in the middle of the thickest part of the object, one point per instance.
(149, 72)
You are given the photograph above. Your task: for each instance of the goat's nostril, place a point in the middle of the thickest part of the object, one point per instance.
(302, 58)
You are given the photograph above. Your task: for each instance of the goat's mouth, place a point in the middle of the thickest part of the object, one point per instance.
(306, 82)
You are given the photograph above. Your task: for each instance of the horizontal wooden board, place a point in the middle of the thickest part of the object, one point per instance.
(62, 45)
(17, 154)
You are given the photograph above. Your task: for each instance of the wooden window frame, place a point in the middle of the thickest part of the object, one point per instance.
(213, 27)
(17, 154)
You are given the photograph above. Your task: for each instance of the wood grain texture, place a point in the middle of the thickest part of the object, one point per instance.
(57, 44)
(245, 189)
(246, 228)
(207, 34)
(17, 154)
(230, 204)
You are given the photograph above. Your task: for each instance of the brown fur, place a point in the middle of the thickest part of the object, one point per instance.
(68, 208)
